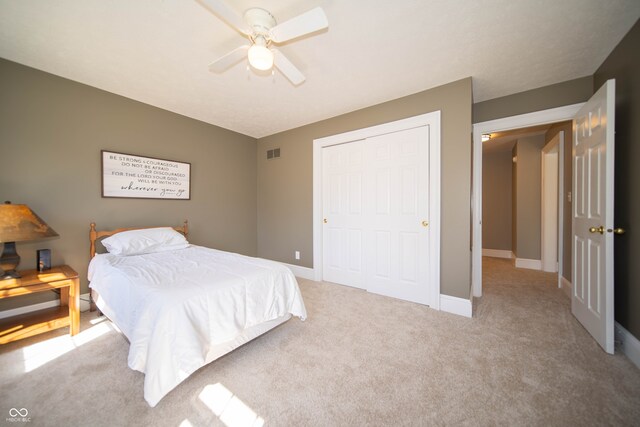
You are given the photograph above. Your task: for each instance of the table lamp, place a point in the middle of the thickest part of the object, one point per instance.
(18, 223)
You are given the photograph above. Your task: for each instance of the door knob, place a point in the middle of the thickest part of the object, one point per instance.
(596, 230)
(425, 224)
(324, 220)
(617, 230)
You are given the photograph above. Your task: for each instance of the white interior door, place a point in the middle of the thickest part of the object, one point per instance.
(375, 214)
(397, 199)
(342, 197)
(592, 225)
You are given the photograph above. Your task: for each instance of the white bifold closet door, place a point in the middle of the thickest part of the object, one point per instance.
(375, 204)
(343, 233)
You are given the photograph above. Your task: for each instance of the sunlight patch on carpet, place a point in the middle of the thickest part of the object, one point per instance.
(232, 411)
(39, 354)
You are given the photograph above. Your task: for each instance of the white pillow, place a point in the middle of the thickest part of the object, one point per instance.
(136, 242)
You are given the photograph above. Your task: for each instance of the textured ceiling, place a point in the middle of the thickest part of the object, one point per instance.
(157, 51)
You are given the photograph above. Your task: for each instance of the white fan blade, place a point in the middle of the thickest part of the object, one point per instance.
(227, 14)
(231, 58)
(308, 22)
(287, 68)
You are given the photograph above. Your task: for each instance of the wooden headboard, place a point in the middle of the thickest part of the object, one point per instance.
(95, 235)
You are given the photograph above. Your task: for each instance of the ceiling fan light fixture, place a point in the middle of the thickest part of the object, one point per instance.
(260, 57)
(261, 28)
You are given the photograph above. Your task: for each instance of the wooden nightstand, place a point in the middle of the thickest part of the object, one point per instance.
(25, 325)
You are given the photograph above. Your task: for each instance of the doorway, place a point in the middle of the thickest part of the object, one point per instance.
(500, 125)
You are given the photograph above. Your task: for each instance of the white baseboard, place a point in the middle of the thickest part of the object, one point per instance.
(630, 345)
(566, 286)
(497, 253)
(455, 305)
(84, 306)
(532, 264)
(299, 271)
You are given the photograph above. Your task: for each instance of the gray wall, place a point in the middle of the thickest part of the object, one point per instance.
(51, 134)
(285, 186)
(543, 98)
(496, 200)
(567, 127)
(528, 197)
(623, 64)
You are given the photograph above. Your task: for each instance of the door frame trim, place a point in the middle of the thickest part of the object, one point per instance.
(433, 120)
(551, 115)
(556, 143)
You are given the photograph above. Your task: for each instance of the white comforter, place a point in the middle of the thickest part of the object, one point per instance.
(173, 306)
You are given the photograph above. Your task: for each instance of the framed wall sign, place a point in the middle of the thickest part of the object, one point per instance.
(127, 175)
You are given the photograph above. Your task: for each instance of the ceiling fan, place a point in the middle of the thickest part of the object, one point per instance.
(260, 27)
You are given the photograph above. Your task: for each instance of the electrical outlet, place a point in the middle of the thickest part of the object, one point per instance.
(569, 197)
(297, 254)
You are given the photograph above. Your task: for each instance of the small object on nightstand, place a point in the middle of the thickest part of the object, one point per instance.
(44, 259)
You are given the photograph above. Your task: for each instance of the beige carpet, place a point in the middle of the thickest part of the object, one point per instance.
(360, 359)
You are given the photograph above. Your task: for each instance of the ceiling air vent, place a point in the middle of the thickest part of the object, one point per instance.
(273, 154)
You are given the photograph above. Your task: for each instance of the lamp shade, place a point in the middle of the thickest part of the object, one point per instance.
(18, 223)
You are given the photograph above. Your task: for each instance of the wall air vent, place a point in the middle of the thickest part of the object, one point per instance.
(273, 154)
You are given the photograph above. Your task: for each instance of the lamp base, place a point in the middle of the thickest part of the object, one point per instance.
(11, 274)
(9, 261)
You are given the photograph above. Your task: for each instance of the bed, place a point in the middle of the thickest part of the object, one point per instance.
(182, 306)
